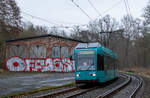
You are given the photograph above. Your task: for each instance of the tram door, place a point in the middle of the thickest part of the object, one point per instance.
(100, 62)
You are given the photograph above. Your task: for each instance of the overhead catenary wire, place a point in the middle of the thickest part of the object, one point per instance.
(58, 22)
(113, 6)
(61, 26)
(81, 10)
(129, 13)
(45, 20)
(94, 8)
(52, 23)
(128, 6)
(128, 10)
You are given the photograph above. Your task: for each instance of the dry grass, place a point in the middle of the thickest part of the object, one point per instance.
(21, 94)
(138, 70)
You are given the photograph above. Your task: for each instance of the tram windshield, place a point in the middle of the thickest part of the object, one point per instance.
(86, 60)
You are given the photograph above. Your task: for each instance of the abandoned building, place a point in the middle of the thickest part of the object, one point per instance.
(41, 47)
(40, 53)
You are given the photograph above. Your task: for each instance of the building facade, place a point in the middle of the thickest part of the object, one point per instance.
(41, 53)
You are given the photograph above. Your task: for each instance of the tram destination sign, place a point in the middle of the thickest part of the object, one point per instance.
(86, 52)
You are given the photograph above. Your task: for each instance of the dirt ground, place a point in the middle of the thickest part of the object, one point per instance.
(12, 82)
(146, 92)
(145, 74)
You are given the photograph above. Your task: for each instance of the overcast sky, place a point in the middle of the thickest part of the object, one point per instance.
(64, 12)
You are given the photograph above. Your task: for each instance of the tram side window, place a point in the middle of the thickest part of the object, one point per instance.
(112, 60)
(109, 63)
(116, 64)
(113, 63)
(100, 62)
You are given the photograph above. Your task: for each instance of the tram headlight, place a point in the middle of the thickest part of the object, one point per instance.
(94, 74)
(78, 75)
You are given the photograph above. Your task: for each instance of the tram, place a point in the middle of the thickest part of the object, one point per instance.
(95, 63)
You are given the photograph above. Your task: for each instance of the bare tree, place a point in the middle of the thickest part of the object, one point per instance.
(103, 27)
(10, 19)
(10, 23)
(146, 14)
(75, 33)
(132, 29)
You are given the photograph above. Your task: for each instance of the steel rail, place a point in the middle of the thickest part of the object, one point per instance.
(137, 88)
(81, 92)
(105, 94)
(113, 90)
(55, 93)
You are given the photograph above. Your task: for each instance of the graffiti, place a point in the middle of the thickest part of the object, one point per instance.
(16, 64)
(40, 65)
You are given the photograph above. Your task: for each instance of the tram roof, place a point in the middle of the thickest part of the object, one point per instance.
(105, 50)
(109, 52)
(88, 45)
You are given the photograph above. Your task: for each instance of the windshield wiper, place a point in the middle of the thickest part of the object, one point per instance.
(89, 67)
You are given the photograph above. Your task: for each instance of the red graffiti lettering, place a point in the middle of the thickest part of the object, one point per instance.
(40, 65)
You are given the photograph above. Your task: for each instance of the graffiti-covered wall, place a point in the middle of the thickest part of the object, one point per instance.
(40, 65)
(40, 54)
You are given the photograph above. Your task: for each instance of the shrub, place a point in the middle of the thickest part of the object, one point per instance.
(1, 70)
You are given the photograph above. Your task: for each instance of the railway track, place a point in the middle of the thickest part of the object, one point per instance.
(59, 92)
(102, 92)
(140, 80)
(66, 93)
(131, 90)
(116, 92)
